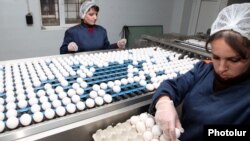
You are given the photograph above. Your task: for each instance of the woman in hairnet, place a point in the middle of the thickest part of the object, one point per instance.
(212, 93)
(88, 36)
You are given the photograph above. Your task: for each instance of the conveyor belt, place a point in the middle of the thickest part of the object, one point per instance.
(178, 46)
(154, 65)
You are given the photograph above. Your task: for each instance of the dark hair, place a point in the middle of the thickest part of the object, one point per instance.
(234, 39)
(95, 7)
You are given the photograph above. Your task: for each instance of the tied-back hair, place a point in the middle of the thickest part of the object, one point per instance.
(237, 42)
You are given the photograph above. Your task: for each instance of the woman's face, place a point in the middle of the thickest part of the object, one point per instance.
(227, 63)
(91, 17)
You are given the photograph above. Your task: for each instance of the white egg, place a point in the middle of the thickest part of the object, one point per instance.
(35, 108)
(29, 90)
(79, 80)
(147, 136)
(56, 103)
(116, 89)
(90, 103)
(124, 81)
(2, 116)
(31, 95)
(1, 101)
(10, 105)
(130, 80)
(71, 92)
(92, 69)
(136, 78)
(1, 89)
(66, 101)
(22, 104)
(156, 85)
(11, 113)
(93, 94)
(118, 82)
(62, 95)
(149, 122)
(50, 91)
(37, 83)
(47, 86)
(84, 84)
(130, 75)
(41, 93)
(143, 116)
(46, 105)
(51, 77)
(71, 108)
(2, 126)
(43, 99)
(12, 122)
(143, 82)
(21, 96)
(79, 91)
(140, 127)
(99, 100)
(75, 86)
(103, 86)
(75, 98)
(10, 98)
(60, 111)
(83, 75)
(53, 97)
(177, 133)
(110, 84)
(64, 83)
(101, 92)
(9, 93)
(59, 89)
(134, 120)
(38, 116)
(25, 119)
(2, 108)
(156, 130)
(150, 87)
(96, 87)
(107, 98)
(89, 74)
(80, 105)
(49, 113)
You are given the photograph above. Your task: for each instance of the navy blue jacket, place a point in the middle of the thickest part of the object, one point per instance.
(201, 104)
(87, 38)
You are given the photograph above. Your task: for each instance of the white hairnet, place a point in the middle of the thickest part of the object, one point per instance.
(85, 7)
(235, 17)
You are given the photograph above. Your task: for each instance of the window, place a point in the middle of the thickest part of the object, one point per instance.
(60, 13)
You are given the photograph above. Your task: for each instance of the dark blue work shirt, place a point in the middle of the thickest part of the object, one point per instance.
(201, 104)
(87, 38)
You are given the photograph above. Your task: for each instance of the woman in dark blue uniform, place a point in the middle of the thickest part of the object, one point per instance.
(88, 36)
(211, 93)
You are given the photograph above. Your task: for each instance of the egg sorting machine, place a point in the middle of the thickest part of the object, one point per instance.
(80, 122)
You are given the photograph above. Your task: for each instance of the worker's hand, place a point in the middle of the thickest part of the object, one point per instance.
(72, 46)
(121, 43)
(167, 118)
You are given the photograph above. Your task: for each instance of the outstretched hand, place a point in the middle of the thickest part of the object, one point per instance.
(72, 46)
(122, 43)
(167, 118)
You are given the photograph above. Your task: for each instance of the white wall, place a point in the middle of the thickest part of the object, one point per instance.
(17, 40)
